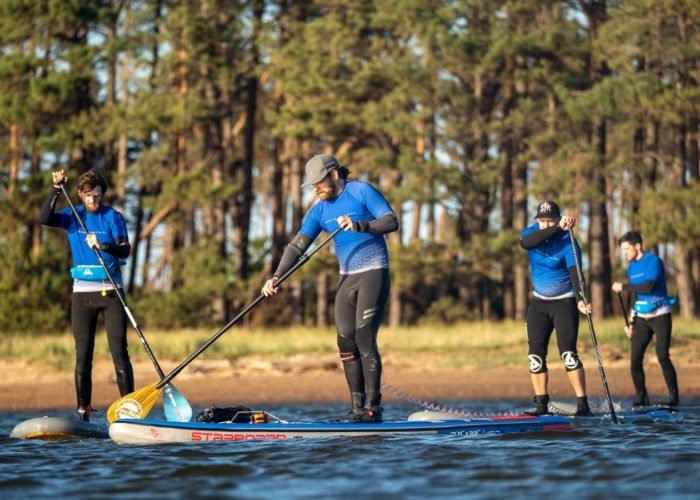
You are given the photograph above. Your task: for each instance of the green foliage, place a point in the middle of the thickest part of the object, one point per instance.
(446, 311)
(435, 102)
(671, 215)
(180, 308)
(33, 290)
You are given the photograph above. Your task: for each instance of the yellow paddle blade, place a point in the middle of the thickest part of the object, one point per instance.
(134, 405)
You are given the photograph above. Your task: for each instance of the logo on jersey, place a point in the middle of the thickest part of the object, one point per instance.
(545, 208)
(570, 360)
(535, 363)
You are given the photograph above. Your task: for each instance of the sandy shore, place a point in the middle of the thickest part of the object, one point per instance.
(315, 379)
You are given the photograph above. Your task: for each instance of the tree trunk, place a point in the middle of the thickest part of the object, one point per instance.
(136, 243)
(146, 268)
(122, 152)
(520, 219)
(34, 224)
(599, 253)
(322, 299)
(246, 196)
(684, 280)
(14, 158)
(297, 214)
(507, 225)
(681, 250)
(415, 222)
(278, 203)
(694, 170)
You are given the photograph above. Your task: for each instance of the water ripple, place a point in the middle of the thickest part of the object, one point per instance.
(593, 462)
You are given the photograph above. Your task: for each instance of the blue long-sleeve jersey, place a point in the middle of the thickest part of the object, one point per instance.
(549, 264)
(356, 251)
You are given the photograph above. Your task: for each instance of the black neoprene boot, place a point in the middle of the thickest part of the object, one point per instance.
(673, 397)
(358, 406)
(83, 389)
(84, 413)
(125, 380)
(542, 403)
(642, 399)
(372, 412)
(582, 408)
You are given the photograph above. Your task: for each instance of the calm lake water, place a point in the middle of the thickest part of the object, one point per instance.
(623, 461)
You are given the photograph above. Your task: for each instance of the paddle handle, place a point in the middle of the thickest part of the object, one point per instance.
(594, 339)
(302, 260)
(122, 299)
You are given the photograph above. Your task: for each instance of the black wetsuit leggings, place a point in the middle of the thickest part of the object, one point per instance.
(642, 331)
(85, 309)
(544, 316)
(359, 309)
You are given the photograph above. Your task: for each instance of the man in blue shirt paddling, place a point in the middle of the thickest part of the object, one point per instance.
(366, 216)
(554, 306)
(651, 314)
(92, 291)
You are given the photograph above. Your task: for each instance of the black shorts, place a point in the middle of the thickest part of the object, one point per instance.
(545, 316)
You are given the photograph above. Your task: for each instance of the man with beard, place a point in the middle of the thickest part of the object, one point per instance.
(646, 280)
(92, 290)
(366, 216)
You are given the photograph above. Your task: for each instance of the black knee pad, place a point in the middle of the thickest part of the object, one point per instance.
(538, 363)
(571, 361)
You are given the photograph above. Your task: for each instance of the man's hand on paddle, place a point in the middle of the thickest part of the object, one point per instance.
(583, 308)
(346, 223)
(269, 287)
(59, 177)
(567, 223)
(628, 331)
(92, 242)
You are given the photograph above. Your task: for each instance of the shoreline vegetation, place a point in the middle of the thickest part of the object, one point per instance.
(464, 345)
(479, 360)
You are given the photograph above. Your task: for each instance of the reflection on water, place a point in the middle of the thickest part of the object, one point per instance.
(596, 462)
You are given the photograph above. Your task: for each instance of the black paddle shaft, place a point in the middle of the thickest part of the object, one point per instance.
(624, 309)
(594, 340)
(302, 260)
(116, 289)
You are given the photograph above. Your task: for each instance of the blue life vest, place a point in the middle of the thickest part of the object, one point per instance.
(648, 306)
(88, 273)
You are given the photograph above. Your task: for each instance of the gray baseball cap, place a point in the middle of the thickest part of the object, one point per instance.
(319, 167)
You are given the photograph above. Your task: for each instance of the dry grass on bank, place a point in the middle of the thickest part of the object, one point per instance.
(465, 345)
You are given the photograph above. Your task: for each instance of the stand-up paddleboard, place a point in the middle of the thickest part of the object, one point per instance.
(130, 431)
(50, 428)
(567, 410)
(625, 415)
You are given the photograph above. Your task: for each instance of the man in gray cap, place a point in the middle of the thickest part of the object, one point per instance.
(366, 216)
